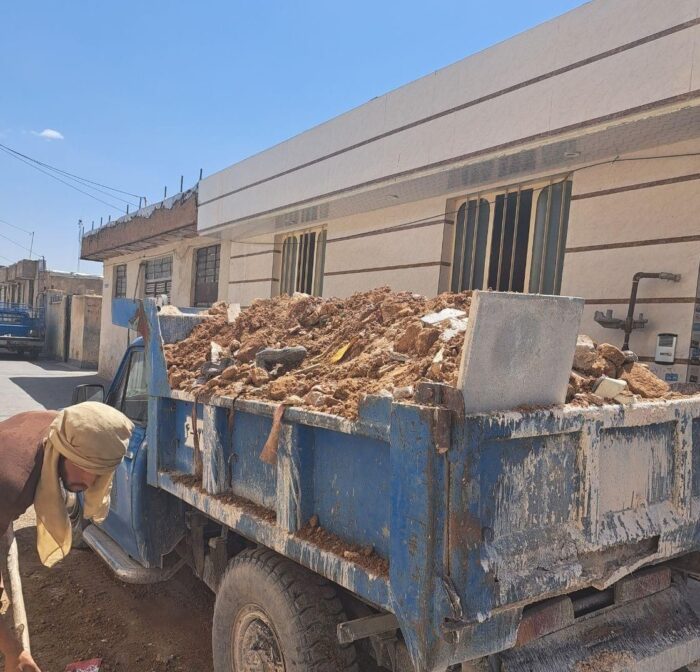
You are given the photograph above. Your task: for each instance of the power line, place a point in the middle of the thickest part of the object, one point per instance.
(68, 184)
(14, 226)
(65, 172)
(24, 247)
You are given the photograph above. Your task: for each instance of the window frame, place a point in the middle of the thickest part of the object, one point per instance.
(217, 272)
(116, 396)
(490, 196)
(116, 293)
(293, 280)
(160, 279)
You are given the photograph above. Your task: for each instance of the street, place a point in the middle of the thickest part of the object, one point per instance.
(77, 610)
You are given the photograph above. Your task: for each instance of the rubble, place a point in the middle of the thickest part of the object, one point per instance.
(327, 354)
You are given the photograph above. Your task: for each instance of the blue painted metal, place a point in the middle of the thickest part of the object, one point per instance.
(477, 516)
(21, 327)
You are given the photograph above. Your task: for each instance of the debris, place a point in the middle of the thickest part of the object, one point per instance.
(444, 314)
(233, 310)
(457, 326)
(269, 451)
(609, 388)
(288, 358)
(403, 392)
(258, 376)
(373, 342)
(217, 352)
(613, 354)
(338, 355)
(94, 665)
(643, 382)
(169, 310)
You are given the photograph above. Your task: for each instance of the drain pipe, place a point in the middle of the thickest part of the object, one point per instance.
(629, 322)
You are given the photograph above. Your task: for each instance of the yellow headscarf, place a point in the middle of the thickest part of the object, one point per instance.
(94, 437)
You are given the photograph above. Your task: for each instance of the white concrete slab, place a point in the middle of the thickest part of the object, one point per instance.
(518, 350)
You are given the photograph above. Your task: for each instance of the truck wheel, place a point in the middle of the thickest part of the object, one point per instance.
(272, 615)
(77, 522)
(33, 355)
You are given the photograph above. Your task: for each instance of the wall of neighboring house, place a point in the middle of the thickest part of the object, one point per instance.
(115, 339)
(632, 216)
(85, 319)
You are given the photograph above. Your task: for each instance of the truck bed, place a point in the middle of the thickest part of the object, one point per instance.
(454, 522)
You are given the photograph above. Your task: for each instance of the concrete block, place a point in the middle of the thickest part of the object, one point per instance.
(518, 350)
(610, 388)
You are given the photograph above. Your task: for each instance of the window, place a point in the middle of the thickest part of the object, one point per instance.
(130, 396)
(120, 281)
(505, 242)
(159, 276)
(303, 258)
(206, 275)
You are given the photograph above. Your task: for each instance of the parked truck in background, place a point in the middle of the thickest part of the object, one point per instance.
(21, 329)
(433, 536)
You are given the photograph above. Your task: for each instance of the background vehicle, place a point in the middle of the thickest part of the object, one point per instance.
(21, 329)
(434, 537)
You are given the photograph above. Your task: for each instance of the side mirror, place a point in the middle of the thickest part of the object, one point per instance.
(88, 392)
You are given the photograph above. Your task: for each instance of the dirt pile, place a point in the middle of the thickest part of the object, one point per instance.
(371, 342)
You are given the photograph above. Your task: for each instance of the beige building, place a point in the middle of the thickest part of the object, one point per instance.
(155, 252)
(19, 281)
(27, 281)
(563, 160)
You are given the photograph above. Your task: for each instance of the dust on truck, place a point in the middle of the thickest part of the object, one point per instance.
(446, 533)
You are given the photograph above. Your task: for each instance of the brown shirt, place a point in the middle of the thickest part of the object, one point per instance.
(21, 458)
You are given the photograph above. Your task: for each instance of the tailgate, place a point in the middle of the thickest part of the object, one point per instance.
(660, 633)
(567, 499)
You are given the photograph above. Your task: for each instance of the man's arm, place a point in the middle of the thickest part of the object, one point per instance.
(16, 658)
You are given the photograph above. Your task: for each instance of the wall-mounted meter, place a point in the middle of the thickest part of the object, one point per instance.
(666, 348)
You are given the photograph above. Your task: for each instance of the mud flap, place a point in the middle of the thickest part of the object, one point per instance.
(660, 633)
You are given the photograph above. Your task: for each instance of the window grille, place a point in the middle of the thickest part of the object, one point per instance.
(120, 281)
(206, 275)
(159, 276)
(512, 240)
(303, 258)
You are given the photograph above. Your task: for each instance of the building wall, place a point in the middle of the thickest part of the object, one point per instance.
(85, 321)
(70, 283)
(601, 61)
(633, 216)
(114, 340)
(626, 216)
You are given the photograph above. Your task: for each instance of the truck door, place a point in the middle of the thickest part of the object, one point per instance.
(129, 394)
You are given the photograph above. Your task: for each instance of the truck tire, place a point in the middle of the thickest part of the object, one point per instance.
(272, 614)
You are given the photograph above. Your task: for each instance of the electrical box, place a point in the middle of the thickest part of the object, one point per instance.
(666, 348)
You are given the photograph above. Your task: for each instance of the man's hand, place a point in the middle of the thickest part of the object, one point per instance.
(21, 663)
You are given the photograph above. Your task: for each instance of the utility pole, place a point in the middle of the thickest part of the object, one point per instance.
(31, 244)
(80, 241)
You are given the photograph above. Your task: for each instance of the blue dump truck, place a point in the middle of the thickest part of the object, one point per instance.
(21, 329)
(476, 527)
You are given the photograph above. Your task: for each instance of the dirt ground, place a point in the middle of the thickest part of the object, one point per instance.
(78, 611)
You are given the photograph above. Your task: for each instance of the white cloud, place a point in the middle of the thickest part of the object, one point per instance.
(49, 134)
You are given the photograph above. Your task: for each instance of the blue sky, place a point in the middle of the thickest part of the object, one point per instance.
(143, 92)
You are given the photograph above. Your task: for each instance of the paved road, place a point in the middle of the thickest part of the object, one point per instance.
(29, 386)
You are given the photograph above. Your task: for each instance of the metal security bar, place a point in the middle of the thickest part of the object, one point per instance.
(159, 276)
(471, 235)
(504, 242)
(303, 259)
(206, 275)
(549, 240)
